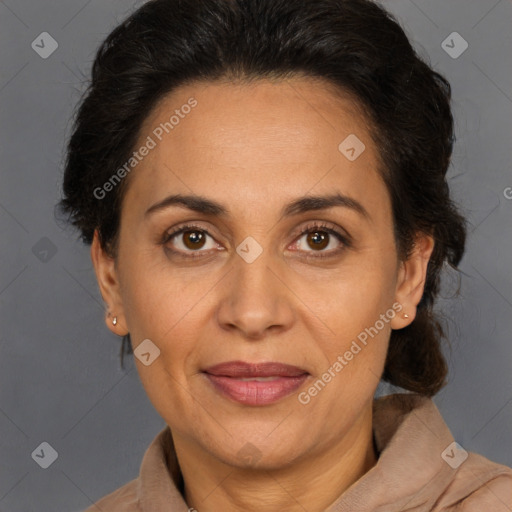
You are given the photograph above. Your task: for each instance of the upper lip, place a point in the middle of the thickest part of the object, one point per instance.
(242, 369)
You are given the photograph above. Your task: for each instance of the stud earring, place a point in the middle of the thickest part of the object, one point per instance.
(114, 321)
(406, 315)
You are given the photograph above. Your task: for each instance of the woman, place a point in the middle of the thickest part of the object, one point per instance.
(262, 183)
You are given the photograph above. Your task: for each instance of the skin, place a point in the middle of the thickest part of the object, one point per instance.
(254, 148)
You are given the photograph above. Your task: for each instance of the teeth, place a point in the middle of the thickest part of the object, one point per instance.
(259, 379)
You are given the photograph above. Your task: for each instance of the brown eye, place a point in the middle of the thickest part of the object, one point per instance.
(318, 239)
(321, 241)
(193, 239)
(189, 241)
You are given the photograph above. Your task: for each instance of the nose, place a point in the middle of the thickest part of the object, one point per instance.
(256, 299)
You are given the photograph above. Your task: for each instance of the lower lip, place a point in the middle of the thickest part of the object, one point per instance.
(256, 392)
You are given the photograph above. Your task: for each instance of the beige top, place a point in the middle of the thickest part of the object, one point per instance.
(418, 470)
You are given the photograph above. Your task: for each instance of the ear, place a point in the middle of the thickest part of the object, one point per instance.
(108, 282)
(412, 275)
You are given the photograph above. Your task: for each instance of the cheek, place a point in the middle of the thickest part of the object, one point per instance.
(353, 348)
(163, 303)
(352, 298)
(362, 329)
(161, 307)
(356, 310)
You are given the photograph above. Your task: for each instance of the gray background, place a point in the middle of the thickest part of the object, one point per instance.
(61, 380)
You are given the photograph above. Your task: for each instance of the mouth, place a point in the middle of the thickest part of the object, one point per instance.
(255, 384)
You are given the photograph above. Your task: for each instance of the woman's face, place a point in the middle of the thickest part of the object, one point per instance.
(262, 276)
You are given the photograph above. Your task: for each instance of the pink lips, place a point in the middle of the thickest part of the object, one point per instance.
(280, 380)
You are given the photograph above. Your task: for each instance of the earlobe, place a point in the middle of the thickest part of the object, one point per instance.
(411, 280)
(111, 321)
(108, 283)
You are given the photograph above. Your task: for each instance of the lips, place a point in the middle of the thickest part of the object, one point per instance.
(255, 384)
(241, 369)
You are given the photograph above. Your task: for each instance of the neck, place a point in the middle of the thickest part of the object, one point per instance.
(311, 483)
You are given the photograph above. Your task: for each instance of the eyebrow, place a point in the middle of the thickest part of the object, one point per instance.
(303, 204)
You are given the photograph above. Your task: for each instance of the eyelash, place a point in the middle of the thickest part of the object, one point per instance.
(310, 228)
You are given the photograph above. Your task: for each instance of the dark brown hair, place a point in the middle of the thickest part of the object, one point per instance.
(354, 45)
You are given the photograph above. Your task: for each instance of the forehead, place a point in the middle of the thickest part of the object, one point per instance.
(298, 111)
(264, 136)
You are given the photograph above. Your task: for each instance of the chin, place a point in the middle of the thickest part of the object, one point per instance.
(258, 451)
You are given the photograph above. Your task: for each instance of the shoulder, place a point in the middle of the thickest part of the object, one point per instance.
(124, 499)
(479, 485)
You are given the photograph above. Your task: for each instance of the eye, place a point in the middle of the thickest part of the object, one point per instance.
(320, 237)
(189, 238)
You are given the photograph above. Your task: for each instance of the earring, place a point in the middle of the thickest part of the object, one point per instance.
(406, 315)
(114, 321)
